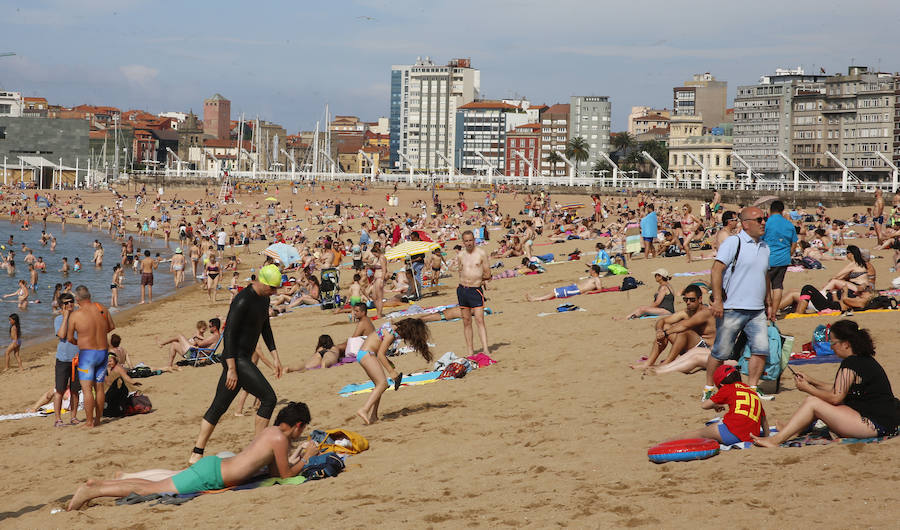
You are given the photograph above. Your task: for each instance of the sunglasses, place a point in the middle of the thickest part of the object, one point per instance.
(759, 220)
(689, 298)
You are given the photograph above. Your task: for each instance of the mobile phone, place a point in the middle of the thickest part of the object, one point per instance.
(791, 369)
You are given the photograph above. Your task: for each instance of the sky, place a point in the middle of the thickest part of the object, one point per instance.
(284, 61)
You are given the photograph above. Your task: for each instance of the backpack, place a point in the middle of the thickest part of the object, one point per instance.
(773, 367)
(810, 263)
(140, 372)
(137, 404)
(628, 283)
(116, 396)
(822, 340)
(323, 466)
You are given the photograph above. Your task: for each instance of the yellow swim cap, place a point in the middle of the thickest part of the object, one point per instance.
(270, 275)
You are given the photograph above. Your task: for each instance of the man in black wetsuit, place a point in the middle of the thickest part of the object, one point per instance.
(248, 317)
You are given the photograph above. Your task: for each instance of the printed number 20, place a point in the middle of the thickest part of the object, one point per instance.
(747, 404)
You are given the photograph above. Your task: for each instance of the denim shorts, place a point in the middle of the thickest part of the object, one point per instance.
(754, 324)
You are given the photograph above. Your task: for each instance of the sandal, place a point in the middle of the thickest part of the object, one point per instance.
(398, 380)
(74, 421)
(59, 423)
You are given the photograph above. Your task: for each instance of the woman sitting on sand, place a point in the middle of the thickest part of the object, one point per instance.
(853, 277)
(373, 359)
(327, 354)
(664, 300)
(859, 403)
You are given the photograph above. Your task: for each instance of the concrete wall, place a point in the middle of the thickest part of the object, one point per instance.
(46, 137)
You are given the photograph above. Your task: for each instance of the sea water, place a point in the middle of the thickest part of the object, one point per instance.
(71, 242)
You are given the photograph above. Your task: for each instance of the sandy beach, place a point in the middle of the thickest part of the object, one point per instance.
(555, 434)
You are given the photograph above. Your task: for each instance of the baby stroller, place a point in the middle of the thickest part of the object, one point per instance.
(329, 288)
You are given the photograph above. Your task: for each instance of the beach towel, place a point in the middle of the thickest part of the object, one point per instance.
(419, 378)
(692, 273)
(181, 498)
(633, 238)
(546, 258)
(738, 445)
(817, 359)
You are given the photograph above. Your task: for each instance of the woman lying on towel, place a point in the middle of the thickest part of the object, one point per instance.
(373, 359)
(858, 404)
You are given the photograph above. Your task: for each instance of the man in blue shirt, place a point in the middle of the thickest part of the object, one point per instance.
(649, 229)
(65, 354)
(741, 294)
(781, 237)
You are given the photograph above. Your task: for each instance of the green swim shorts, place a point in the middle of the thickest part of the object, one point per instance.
(204, 475)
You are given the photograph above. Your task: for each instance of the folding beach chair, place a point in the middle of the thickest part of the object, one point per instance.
(203, 356)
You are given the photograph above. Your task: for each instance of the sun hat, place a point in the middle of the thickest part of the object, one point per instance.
(178, 250)
(270, 275)
(722, 372)
(662, 272)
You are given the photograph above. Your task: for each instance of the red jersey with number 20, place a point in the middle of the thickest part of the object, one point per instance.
(745, 411)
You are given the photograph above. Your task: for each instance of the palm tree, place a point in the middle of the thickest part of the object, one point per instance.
(553, 158)
(577, 150)
(623, 142)
(601, 165)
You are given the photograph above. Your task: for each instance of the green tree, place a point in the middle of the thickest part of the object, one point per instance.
(577, 150)
(553, 158)
(601, 165)
(622, 142)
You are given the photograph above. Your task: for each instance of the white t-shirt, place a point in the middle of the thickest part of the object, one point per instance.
(223, 238)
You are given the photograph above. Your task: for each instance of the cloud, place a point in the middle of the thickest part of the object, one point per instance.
(138, 74)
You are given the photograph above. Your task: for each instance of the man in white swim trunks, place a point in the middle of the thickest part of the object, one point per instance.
(592, 283)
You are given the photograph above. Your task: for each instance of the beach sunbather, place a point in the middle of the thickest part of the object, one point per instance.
(593, 283)
(271, 447)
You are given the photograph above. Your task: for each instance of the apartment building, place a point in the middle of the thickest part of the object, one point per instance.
(424, 102)
(481, 128)
(689, 147)
(702, 96)
(642, 111)
(526, 140)
(762, 119)
(554, 137)
(590, 119)
(11, 104)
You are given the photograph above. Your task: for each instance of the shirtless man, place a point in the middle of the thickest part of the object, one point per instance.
(528, 238)
(92, 323)
(98, 255)
(147, 266)
(378, 263)
(474, 270)
(878, 213)
(694, 327)
(591, 284)
(271, 447)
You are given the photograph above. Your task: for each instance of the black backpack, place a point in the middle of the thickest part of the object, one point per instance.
(116, 399)
(628, 283)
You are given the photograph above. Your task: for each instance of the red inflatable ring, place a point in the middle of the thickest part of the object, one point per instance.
(683, 450)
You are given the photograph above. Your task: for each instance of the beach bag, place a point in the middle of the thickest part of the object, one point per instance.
(140, 372)
(822, 340)
(628, 283)
(137, 403)
(343, 441)
(326, 465)
(116, 396)
(454, 370)
(773, 366)
(810, 263)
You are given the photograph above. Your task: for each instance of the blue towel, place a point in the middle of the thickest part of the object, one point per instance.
(546, 258)
(410, 378)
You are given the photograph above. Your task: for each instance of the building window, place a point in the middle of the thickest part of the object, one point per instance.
(2, 133)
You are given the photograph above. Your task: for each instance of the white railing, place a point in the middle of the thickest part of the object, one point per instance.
(582, 181)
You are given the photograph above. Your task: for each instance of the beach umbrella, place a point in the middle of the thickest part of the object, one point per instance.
(271, 199)
(571, 206)
(410, 248)
(284, 253)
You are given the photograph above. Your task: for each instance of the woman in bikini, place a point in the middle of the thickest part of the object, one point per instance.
(117, 278)
(327, 354)
(853, 277)
(212, 276)
(15, 340)
(373, 359)
(664, 300)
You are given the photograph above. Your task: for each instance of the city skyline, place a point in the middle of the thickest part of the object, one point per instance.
(284, 64)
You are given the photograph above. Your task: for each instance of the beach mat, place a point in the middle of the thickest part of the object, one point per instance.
(837, 314)
(419, 378)
(181, 498)
(818, 359)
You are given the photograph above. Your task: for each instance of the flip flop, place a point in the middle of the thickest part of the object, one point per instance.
(74, 421)
(59, 423)
(398, 381)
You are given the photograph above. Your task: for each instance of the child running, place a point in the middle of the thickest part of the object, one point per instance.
(15, 340)
(373, 359)
(745, 416)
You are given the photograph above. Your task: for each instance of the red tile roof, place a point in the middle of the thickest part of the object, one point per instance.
(652, 117)
(559, 108)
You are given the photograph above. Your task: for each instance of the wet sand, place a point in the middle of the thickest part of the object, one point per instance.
(555, 434)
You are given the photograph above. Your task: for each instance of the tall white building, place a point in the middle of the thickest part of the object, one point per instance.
(424, 102)
(589, 118)
(481, 128)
